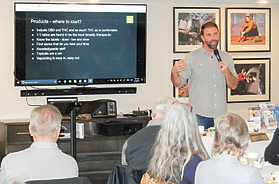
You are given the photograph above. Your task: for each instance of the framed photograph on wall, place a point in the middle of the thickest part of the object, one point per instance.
(187, 23)
(253, 81)
(248, 29)
(181, 93)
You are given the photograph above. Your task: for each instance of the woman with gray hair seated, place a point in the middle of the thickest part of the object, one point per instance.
(178, 148)
(230, 141)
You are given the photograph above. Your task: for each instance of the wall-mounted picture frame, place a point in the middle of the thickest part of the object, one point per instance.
(181, 93)
(253, 81)
(248, 29)
(187, 22)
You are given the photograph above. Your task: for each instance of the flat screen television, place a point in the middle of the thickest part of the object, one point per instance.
(79, 44)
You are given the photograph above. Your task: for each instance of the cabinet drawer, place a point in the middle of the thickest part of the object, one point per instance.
(92, 146)
(18, 133)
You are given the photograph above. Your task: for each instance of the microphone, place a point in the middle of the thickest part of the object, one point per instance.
(216, 52)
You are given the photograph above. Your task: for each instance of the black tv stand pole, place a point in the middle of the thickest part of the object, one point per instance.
(73, 143)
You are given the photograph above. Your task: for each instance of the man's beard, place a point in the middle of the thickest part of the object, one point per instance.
(210, 45)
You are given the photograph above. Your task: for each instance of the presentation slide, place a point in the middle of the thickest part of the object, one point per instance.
(79, 44)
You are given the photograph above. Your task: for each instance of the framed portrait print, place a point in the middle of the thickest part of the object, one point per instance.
(253, 81)
(187, 23)
(182, 92)
(248, 29)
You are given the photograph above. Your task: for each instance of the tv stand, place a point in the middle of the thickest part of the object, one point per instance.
(78, 91)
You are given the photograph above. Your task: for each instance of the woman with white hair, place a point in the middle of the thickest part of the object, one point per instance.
(178, 148)
(230, 141)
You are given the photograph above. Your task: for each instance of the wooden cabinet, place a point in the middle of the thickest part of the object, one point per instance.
(96, 154)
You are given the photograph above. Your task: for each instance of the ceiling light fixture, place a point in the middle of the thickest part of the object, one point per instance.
(94, 1)
(263, 2)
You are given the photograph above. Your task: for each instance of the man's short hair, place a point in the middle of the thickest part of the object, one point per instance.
(45, 121)
(208, 25)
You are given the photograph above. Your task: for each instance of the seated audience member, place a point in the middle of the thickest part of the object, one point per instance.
(271, 153)
(178, 148)
(136, 151)
(42, 160)
(230, 141)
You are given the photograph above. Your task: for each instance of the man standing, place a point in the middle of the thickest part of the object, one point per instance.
(42, 160)
(136, 151)
(208, 77)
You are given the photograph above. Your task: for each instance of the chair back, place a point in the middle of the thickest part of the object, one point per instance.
(122, 174)
(77, 180)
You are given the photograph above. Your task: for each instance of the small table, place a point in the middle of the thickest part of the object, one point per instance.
(270, 172)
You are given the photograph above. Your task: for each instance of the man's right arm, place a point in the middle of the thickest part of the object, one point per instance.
(176, 69)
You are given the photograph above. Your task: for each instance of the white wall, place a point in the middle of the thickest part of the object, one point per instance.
(159, 62)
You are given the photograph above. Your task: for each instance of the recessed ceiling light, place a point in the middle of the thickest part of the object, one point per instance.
(94, 1)
(263, 2)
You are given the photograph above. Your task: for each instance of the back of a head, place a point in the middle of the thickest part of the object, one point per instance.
(177, 140)
(45, 121)
(161, 105)
(180, 126)
(231, 134)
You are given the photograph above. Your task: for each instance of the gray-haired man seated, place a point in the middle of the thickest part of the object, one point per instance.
(42, 160)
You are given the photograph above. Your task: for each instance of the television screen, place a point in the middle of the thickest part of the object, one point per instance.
(79, 44)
